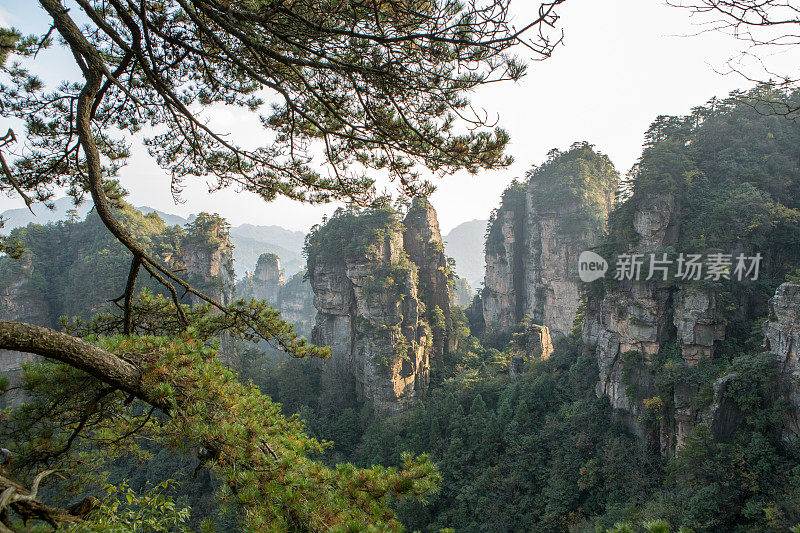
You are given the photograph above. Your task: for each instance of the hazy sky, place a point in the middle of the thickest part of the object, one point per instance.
(623, 63)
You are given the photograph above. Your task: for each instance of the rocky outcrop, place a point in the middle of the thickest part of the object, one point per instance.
(206, 253)
(502, 295)
(530, 344)
(266, 282)
(422, 242)
(634, 321)
(373, 326)
(375, 293)
(19, 301)
(209, 265)
(698, 322)
(536, 236)
(296, 304)
(293, 298)
(556, 236)
(782, 339)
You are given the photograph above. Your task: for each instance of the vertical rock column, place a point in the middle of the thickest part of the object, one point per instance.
(422, 241)
(782, 339)
(377, 284)
(207, 255)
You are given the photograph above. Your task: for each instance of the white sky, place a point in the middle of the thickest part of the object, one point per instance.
(623, 63)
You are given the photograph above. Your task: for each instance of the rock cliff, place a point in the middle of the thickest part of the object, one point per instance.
(633, 326)
(266, 282)
(422, 242)
(503, 297)
(19, 301)
(296, 304)
(376, 284)
(19, 298)
(536, 236)
(206, 253)
(782, 339)
(293, 298)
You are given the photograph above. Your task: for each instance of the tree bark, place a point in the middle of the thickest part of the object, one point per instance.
(78, 353)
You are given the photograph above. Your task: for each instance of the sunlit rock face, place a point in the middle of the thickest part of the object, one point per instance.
(422, 242)
(633, 319)
(555, 239)
(209, 266)
(782, 339)
(373, 328)
(375, 303)
(633, 323)
(499, 297)
(537, 235)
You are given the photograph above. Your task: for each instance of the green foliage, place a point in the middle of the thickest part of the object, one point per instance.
(124, 510)
(351, 233)
(390, 278)
(731, 171)
(207, 232)
(10, 246)
(261, 458)
(579, 176)
(75, 268)
(539, 454)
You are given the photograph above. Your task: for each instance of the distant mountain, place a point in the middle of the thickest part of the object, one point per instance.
(246, 252)
(169, 219)
(292, 240)
(15, 218)
(251, 241)
(464, 243)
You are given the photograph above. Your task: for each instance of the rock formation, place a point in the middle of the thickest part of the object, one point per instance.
(532, 343)
(634, 321)
(538, 233)
(782, 339)
(266, 282)
(296, 304)
(503, 293)
(422, 242)
(293, 298)
(19, 301)
(206, 253)
(376, 284)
